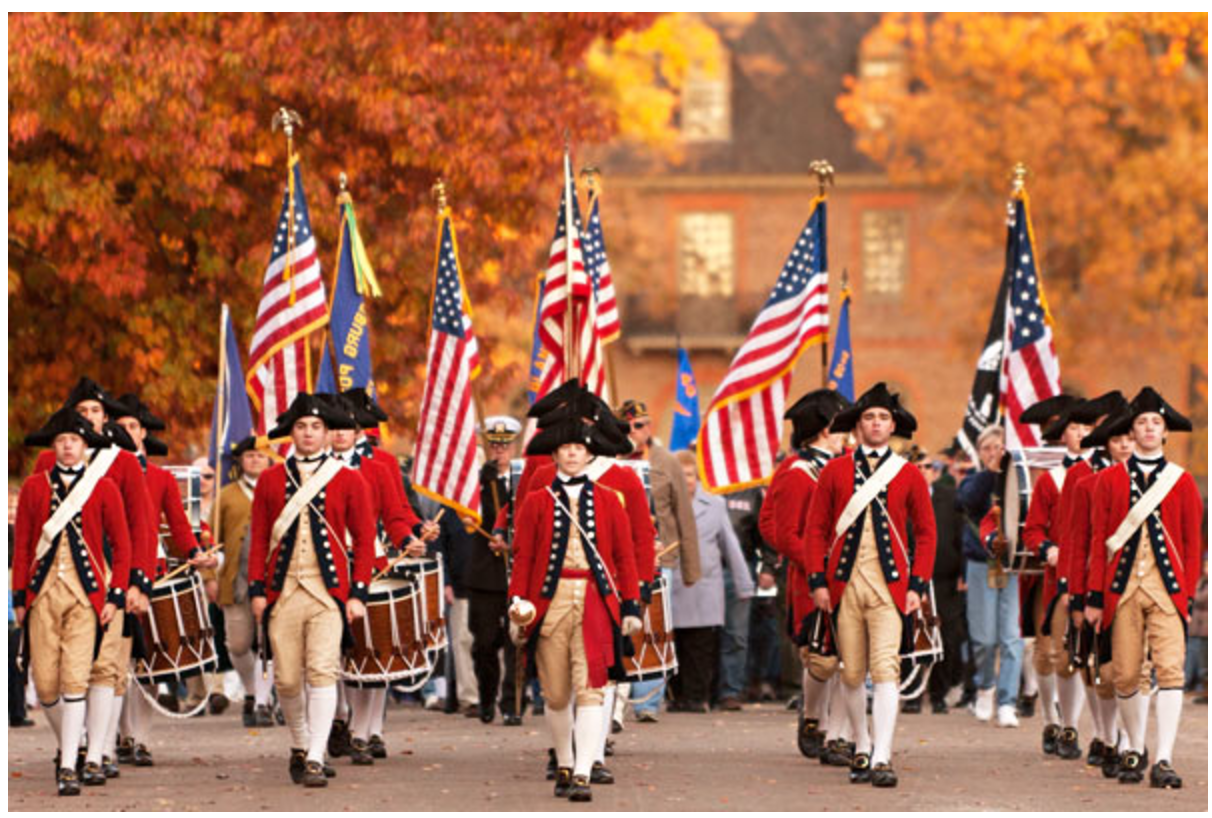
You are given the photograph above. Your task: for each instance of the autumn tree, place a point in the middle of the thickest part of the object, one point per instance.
(144, 180)
(1110, 113)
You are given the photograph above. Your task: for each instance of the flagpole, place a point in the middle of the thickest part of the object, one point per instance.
(221, 432)
(590, 173)
(824, 175)
(572, 367)
(342, 198)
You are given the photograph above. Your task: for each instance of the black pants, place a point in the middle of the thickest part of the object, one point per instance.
(953, 625)
(17, 679)
(698, 652)
(488, 622)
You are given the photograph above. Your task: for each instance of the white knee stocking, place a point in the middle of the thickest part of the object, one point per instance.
(321, 705)
(1130, 715)
(856, 711)
(884, 706)
(1047, 697)
(588, 735)
(296, 720)
(816, 698)
(246, 668)
(607, 713)
(100, 705)
(111, 733)
(1071, 695)
(377, 706)
(359, 712)
(1169, 711)
(559, 722)
(71, 728)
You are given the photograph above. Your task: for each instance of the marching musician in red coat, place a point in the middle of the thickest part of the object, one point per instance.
(63, 581)
(1146, 561)
(399, 530)
(783, 517)
(137, 420)
(1058, 681)
(119, 464)
(859, 564)
(1074, 573)
(574, 584)
(312, 545)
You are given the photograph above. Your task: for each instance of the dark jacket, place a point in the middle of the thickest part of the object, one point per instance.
(948, 554)
(744, 509)
(973, 500)
(485, 569)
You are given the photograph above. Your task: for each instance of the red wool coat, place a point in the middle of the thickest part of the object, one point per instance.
(1075, 570)
(1042, 529)
(533, 569)
(166, 500)
(142, 525)
(349, 514)
(908, 503)
(635, 502)
(388, 505)
(1181, 516)
(102, 516)
(782, 523)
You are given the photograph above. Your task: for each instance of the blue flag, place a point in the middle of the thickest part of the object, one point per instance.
(841, 368)
(231, 419)
(538, 355)
(686, 414)
(348, 323)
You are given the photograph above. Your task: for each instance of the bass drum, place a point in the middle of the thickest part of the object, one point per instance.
(921, 648)
(1019, 472)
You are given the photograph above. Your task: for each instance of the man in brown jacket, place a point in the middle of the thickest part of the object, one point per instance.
(235, 513)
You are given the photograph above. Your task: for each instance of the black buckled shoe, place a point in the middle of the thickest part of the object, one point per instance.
(551, 764)
(143, 756)
(93, 775)
(860, 769)
(1094, 756)
(126, 750)
(81, 757)
(110, 767)
(67, 782)
(1111, 764)
(511, 719)
(329, 770)
(838, 753)
(1067, 746)
(600, 774)
(338, 739)
(563, 782)
(882, 775)
(579, 791)
(298, 763)
(1163, 777)
(487, 713)
(377, 748)
(313, 774)
(1051, 735)
(1026, 706)
(264, 716)
(249, 715)
(1131, 768)
(609, 750)
(809, 738)
(359, 752)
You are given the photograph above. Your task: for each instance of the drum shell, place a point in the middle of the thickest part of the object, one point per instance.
(174, 649)
(389, 655)
(654, 656)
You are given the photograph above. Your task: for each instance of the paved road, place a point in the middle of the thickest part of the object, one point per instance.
(721, 761)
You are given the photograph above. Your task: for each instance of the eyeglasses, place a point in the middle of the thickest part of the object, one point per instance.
(208, 476)
(640, 424)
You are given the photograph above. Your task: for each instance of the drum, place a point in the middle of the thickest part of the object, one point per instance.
(429, 577)
(389, 642)
(189, 485)
(921, 647)
(175, 639)
(1020, 469)
(654, 656)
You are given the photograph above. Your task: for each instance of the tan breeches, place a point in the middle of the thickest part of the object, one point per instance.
(113, 662)
(562, 666)
(62, 631)
(868, 635)
(1049, 655)
(306, 637)
(1141, 623)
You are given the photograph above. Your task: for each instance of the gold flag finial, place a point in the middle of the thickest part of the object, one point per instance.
(1019, 176)
(590, 172)
(439, 193)
(823, 171)
(286, 119)
(343, 180)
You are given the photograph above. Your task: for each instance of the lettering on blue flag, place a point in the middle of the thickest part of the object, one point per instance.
(686, 413)
(349, 324)
(841, 368)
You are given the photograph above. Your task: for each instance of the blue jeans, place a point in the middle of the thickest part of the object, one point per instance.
(734, 641)
(993, 627)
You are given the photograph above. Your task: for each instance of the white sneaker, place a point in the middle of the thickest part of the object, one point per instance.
(984, 704)
(1006, 716)
(432, 702)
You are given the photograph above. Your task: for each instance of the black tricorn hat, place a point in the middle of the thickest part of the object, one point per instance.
(1042, 411)
(366, 410)
(342, 406)
(154, 446)
(1054, 431)
(1099, 436)
(118, 436)
(1089, 411)
(1148, 400)
(308, 405)
(137, 409)
(556, 398)
(877, 397)
(246, 445)
(812, 414)
(66, 420)
(569, 430)
(88, 389)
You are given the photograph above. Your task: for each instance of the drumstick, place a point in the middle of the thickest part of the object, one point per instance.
(185, 565)
(669, 549)
(392, 564)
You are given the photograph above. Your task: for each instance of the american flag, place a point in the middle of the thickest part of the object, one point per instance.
(609, 328)
(292, 305)
(552, 308)
(741, 433)
(446, 466)
(1030, 367)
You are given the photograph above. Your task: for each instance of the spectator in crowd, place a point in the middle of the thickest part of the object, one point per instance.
(765, 633)
(1197, 640)
(17, 678)
(698, 610)
(744, 507)
(993, 612)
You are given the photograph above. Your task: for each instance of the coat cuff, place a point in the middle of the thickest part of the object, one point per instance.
(817, 580)
(499, 532)
(646, 593)
(140, 580)
(196, 551)
(117, 596)
(1077, 603)
(1062, 585)
(921, 586)
(1044, 548)
(1094, 599)
(416, 531)
(256, 588)
(630, 607)
(359, 591)
(19, 599)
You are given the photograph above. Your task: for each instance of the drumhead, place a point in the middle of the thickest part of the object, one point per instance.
(180, 584)
(389, 587)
